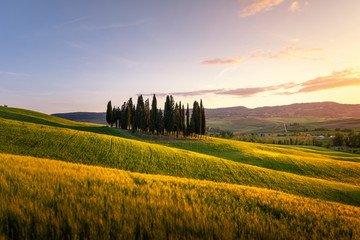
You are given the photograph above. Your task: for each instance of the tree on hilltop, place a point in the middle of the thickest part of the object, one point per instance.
(187, 121)
(196, 118)
(109, 113)
(153, 115)
(147, 115)
(113, 117)
(169, 114)
(202, 119)
(160, 122)
(139, 113)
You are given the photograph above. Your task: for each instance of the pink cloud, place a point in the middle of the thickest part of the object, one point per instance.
(259, 6)
(294, 6)
(291, 51)
(219, 61)
(340, 79)
(335, 80)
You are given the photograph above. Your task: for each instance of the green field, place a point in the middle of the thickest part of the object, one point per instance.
(210, 187)
(276, 125)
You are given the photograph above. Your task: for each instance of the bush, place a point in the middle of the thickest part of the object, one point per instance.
(339, 139)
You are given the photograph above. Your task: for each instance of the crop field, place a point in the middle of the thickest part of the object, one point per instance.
(47, 198)
(214, 188)
(276, 125)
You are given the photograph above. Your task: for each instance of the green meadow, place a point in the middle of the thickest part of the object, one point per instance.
(64, 179)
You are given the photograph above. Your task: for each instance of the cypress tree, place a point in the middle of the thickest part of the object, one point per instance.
(183, 120)
(187, 121)
(169, 114)
(109, 113)
(166, 112)
(147, 115)
(180, 117)
(131, 116)
(128, 116)
(159, 123)
(118, 117)
(195, 117)
(133, 119)
(113, 117)
(192, 124)
(139, 113)
(123, 116)
(177, 119)
(153, 115)
(203, 120)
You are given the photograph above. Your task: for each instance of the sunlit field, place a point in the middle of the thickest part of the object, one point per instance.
(51, 199)
(62, 178)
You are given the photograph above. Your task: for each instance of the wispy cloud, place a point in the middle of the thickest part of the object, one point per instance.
(288, 52)
(222, 61)
(344, 78)
(11, 74)
(185, 94)
(294, 6)
(266, 5)
(74, 20)
(293, 51)
(112, 26)
(259, 6)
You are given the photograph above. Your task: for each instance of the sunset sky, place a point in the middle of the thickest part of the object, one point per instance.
(66, 56)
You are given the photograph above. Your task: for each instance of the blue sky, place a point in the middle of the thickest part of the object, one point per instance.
(68, 56)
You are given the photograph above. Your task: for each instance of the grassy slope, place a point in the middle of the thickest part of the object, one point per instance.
(48, 120)
(50, 199)
(306, 162)
(96, 149)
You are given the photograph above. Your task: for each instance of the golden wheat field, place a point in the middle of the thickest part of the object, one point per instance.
(61, 179)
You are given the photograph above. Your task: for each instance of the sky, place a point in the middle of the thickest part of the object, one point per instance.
(69, 56)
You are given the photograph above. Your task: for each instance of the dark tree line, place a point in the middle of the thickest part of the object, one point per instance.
(174, 119)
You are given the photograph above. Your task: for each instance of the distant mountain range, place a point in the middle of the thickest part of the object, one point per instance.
(246, 119)
(92, 117)
(297, 110)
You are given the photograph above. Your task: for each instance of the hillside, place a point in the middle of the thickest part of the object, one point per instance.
(296, 185)
(91, 202)
(267, 119)
(298, 110)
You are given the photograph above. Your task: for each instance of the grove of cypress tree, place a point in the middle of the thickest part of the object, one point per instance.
(109, 113)
(151, 119)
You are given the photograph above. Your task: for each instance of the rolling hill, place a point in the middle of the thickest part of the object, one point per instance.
(52, 168)
(263, 119)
